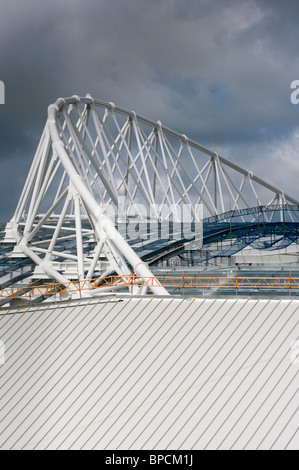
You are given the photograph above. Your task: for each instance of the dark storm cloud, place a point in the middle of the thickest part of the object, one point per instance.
(218, 71)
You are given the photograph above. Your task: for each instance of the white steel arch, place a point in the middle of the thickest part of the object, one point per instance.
(95, 159)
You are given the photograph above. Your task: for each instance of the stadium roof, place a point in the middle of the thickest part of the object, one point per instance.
(150, 373)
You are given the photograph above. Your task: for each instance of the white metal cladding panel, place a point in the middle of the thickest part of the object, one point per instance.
(150, 373)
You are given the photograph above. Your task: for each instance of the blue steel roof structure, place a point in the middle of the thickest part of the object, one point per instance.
(261, 228)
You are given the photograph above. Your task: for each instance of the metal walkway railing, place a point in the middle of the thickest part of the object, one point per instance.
(182, 283)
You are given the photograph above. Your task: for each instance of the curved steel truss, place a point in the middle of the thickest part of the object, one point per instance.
(98, 165)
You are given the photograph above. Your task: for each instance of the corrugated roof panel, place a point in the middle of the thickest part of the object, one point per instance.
(150, 373)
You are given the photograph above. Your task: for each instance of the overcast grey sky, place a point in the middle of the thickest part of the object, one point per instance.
(218, 71)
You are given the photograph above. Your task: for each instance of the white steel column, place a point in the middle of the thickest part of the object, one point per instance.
(103, 222)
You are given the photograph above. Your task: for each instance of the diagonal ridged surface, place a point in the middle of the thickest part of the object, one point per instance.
(150, 373)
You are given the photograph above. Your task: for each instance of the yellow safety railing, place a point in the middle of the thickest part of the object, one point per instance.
(182, 283)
